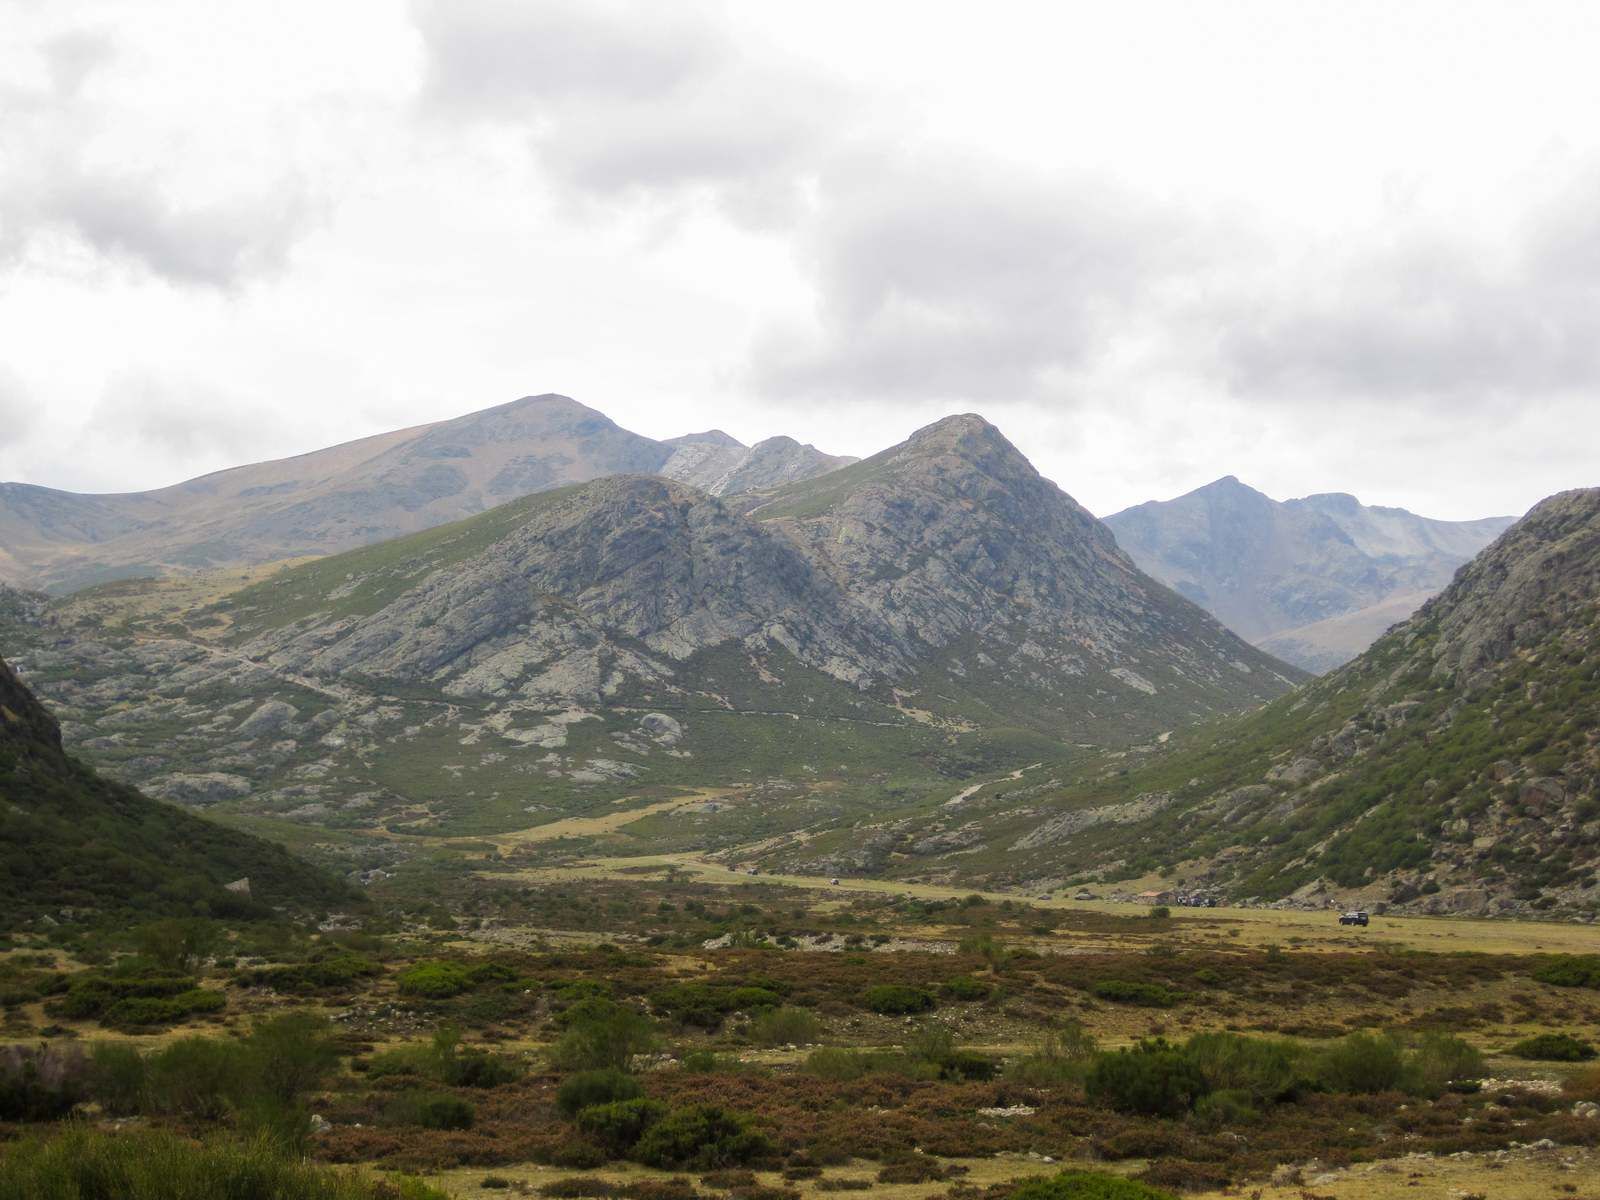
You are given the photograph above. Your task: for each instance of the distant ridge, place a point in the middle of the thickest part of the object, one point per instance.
(1314, 580)
(361, 492)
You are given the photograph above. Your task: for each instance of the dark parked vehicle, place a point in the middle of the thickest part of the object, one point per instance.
(1353, 918)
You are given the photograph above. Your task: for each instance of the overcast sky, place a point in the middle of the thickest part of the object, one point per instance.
(1345, 246)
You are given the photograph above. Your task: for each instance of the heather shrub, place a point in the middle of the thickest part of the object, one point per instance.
(1087, 1185)
(154, 1165)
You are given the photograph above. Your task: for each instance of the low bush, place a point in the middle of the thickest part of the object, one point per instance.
(430, 1110)
(117, 1078)
(897, 999)
(196, 1077)
(1124, 991)
(1363, 1063)
(435, 980)
(703, 1138)
(785, 1026)
(1062, 1054)
(588, 1088)
(1087, 1185)
(1225, 1110)
(605, 1043)
(443, 1060)
(1570, 970)
(618, 1126)
(1265, 1070)
(152, 1165)
(335, 973)
(965, 987)
(1152, 1079)
(1554, 1047)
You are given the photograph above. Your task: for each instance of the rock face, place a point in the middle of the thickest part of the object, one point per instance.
(717, 464)
(945, 565)
(1314, 580)
(359, 493)
(1453, 766)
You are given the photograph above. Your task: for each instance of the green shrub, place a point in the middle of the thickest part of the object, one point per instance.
(589, 1088)
(153, 1165)
(430, 1110)
(602, 1043)
(337, 972)
(1554, 1047)
(897, 999)
(1123, 991)
(1442, 1059)
(1087, 1185)
(1153, 1079)
(1227, 1109)
(117, 1078)
(91, 995)
(618, 1126)
(785, 1026)
(701, 1138)
(443, 1060)
(965, 987)
(435, 980)
(1264, 1069)
(1570, 970)
(1363, 1063)
(144, 1012)
(196, 1077)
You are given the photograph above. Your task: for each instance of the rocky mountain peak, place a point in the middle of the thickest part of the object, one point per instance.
(1539, 577)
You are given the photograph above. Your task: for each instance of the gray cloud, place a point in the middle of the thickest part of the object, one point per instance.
(181, 421)
(947, 276)
(18, 412)
(75, 55)
(632, 99)
(55, 187)
(1431, 322)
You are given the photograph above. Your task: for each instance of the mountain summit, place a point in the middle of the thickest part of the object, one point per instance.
(921, 614)
(361, 492)
(1313, 580)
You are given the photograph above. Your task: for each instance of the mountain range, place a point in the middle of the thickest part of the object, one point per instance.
(362, 492)
(937, 606)
(1452, 767)
(1313, 581)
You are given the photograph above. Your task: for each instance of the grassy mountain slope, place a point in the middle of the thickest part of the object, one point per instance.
(1455, 766)
(72, 839)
